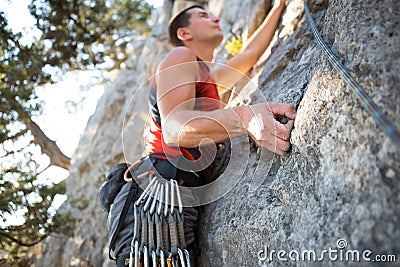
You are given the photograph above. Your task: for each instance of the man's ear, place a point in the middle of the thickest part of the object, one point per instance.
(183, 34)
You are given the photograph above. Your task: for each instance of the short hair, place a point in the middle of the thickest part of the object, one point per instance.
(180, 20)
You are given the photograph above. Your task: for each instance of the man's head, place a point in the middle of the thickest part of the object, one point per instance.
(182, 21)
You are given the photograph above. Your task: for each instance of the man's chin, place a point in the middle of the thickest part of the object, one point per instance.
(218, 39)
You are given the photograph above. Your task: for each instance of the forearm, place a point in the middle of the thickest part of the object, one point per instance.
(261, 38)
(188, 128)
(236, 67)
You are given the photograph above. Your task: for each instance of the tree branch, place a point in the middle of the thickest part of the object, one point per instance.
(21, 243)
(48, 146)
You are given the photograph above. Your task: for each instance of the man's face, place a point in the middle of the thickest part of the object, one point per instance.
(204, 27)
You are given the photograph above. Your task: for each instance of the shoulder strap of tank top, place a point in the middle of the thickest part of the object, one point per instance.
(203, 63)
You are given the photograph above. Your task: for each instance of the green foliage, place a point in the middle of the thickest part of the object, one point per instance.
(20, 72)
(76, 35)
(32, 202)
(84, 32)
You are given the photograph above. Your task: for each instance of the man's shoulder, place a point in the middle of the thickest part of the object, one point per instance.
(181, 51)
(177, 55)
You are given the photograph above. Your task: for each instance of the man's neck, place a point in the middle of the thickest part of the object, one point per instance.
(204, 52)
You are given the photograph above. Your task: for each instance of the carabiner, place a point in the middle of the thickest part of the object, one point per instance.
(145, 192)
(161, 197)
(172, 197)
(178, 196)
(187, 257)
(151, 195)
(181, 257)
(146, 257)
(162, 258)
(134, 259)
(156, 195)
(154, 258)
(166, 200)
(144, 174)
(130, 180)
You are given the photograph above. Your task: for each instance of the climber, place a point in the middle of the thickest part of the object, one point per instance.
(187, 116)
(195, 34)
(186, 108)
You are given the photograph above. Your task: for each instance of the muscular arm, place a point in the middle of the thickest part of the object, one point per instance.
(234, 68)
(183, 126)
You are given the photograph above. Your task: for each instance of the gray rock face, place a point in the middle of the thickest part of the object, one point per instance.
(341, 180)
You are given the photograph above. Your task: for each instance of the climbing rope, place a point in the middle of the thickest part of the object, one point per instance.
(390, 129)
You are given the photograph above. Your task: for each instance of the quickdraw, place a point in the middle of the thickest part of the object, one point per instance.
(158, 233)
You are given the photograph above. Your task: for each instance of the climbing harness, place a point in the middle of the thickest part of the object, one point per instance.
(390, 129)
(158, 231)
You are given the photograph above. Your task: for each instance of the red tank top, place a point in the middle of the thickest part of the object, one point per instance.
(207, 99)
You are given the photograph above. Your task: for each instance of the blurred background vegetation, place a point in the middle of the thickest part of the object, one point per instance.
(74, 35)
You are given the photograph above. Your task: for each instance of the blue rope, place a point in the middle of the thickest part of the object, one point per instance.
(390, 129)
